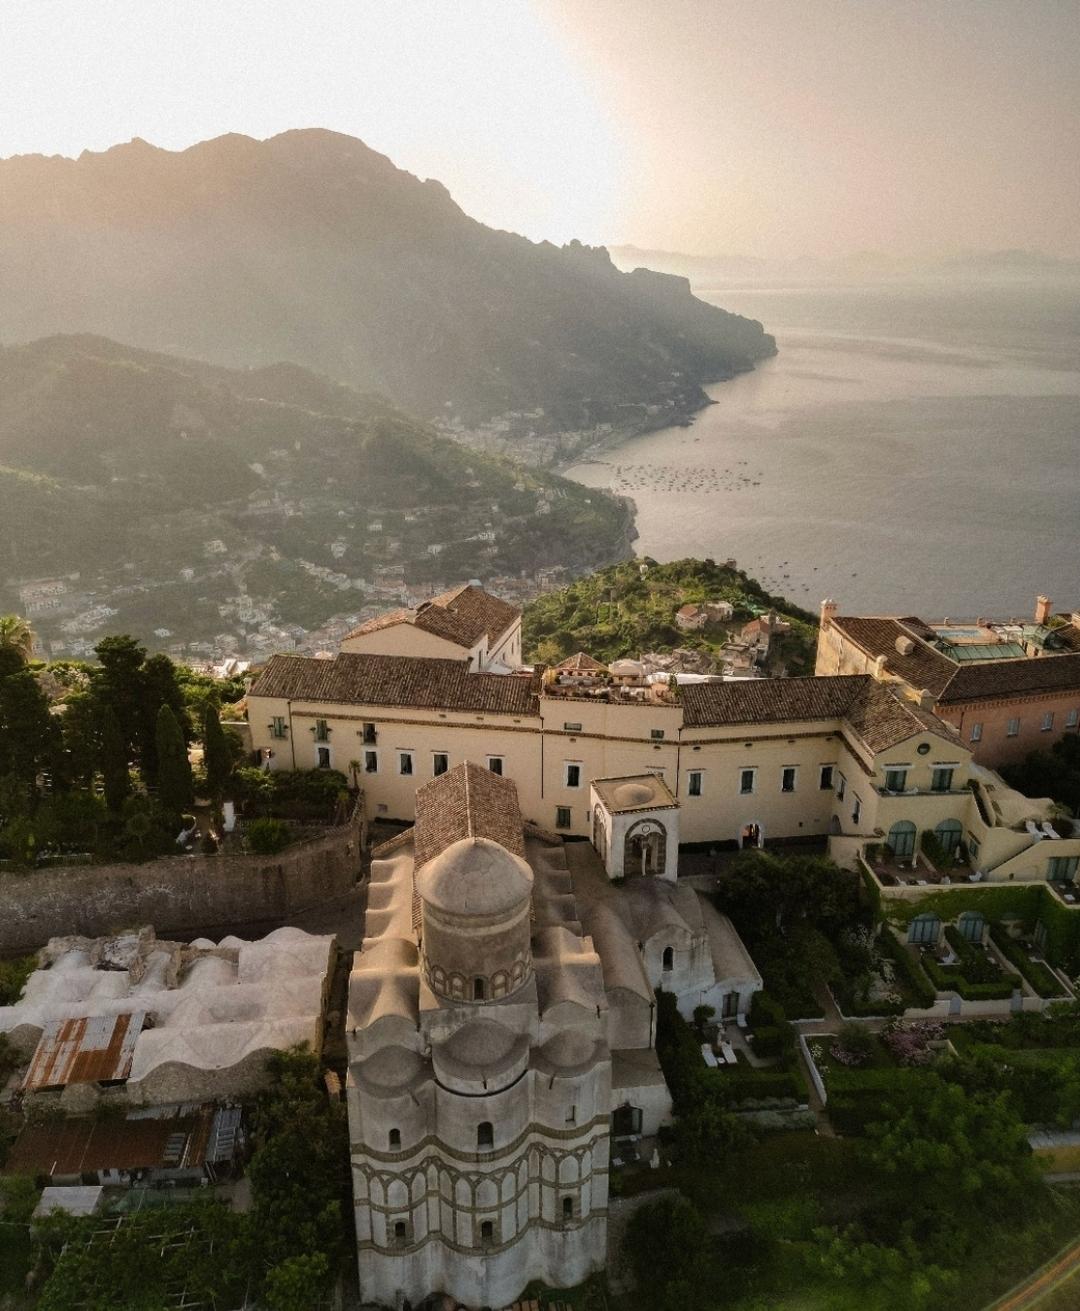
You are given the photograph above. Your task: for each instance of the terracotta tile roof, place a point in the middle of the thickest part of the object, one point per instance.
(390, 680)
(924, 668)
(768, 700)
(881, 717)
(462, 615)
(1069, 635)
(1003, 678)
(467, 801)
(581, 663)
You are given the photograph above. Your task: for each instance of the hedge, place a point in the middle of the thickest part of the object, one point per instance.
(740, 1085)
(915, 978)
(1041, 977)
(859, 1097)
(951, 980)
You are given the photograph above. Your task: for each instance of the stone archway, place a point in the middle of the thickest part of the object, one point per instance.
(645, 849)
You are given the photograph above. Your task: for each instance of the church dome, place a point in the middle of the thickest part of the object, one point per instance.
(475, 876)
(481, 1055)
(634, 794)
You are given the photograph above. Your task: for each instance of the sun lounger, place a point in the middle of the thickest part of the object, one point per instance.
(729, 1053)
(709, 1055)
(1033, 829)
(1048, 829)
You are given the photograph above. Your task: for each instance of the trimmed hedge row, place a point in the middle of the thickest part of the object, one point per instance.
(951, 980)
(858, 1097)
(1040, 976)
(742, 1085)
(906, 964)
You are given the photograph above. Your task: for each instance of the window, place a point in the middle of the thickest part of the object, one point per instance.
(440, 763)
(949, 833)
(657, 734)
(571, 728)
(562, 816)
(485, 1136)
(487, 1233)
(972, 926)
(896, 780)
(404, 762)
(941, 779)
(787, 779)
(746, 781)
(1013, 728)
(693, 786)
(401, 1233)
(841, 787)
(370, 734)
(1062, 869)
(371, 762)
(322, 731)
(923, 930)
(973, 850)
(568, 1208)
(479, 990)
(572, 774)
(1072, 718)
(856, 810)
(1047, 721)
(324, 757)
(669, 959)
(395, 1140)
(277, 727)
(901, 839)
(976, 732)
(495, 763)
(571, 1115)
(826, 780)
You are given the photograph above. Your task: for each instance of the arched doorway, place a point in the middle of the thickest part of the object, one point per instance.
(948, 834)
(645, 849)
(902, 839)
(971, 925)
(923, 930)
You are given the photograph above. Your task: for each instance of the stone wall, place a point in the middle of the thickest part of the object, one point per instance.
(180, 895)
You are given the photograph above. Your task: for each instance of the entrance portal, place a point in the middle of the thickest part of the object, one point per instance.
(751, 836)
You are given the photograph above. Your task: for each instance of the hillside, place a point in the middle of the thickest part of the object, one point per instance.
(174, 488)
(311, 247)
(630, 608)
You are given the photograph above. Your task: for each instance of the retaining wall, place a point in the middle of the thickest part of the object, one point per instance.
(178, 895)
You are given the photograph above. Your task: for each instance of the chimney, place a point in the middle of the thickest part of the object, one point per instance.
(1044, 608)
(879, 667)
(828, 611)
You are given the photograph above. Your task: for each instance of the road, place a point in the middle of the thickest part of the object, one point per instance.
(1058, 1271)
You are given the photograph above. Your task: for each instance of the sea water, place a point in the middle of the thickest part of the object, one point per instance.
(912, 449)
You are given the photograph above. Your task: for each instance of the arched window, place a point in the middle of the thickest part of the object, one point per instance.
(924, 929)
(948, 834)
(479, 989)
(487, 1233)
(485, 1135)
(669, 959)
(971, 925)
(401, 1233)
(568, 1208)
(395, 1139)
(499, 983)
(902, 839)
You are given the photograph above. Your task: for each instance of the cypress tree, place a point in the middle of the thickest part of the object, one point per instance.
(173, 768)
(216, 755)
(113, 761)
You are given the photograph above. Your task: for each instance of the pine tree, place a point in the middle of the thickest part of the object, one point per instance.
(113, 761)
(216, 755)
(173, 768)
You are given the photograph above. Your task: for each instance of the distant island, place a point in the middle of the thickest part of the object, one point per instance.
(214, 511)
(312, 248)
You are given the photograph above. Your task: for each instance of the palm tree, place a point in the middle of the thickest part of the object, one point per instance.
(16, 635)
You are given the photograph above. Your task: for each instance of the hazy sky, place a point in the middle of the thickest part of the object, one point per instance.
(772, 127)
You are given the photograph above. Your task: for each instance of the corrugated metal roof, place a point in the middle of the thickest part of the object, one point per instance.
(87, 1049)
(78, 1146)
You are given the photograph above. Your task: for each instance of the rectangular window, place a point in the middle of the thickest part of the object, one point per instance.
(942, 778)
(895, 780)
(324, 757)
(841, 788)
(746, 781)
(495, 764)
(973, 850)
(826, 780)
(856, 809)
(404, 762)
(371, 762)
(787, 779)
(976, 732)
(322, 731)
(1013, 728)
(1048, 721)
(572, 774)
(277, 727)
(440, 763)
(571, 728)
(562, 816)
(1062, 869)
(1072, 718)
(693, 786)
(657, 734)
(370, 734)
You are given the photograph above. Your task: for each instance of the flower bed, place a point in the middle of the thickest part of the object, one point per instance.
(897, 982)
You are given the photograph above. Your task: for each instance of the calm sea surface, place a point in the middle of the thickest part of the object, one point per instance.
(910, 450)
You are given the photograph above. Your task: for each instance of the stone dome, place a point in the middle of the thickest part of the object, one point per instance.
(481, 1054)
(475, 876)
(634, 794)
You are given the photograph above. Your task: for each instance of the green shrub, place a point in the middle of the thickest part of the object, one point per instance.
(266, 837)
(1040, 976)
(908, 970)
(13, 976)
(951, 979)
